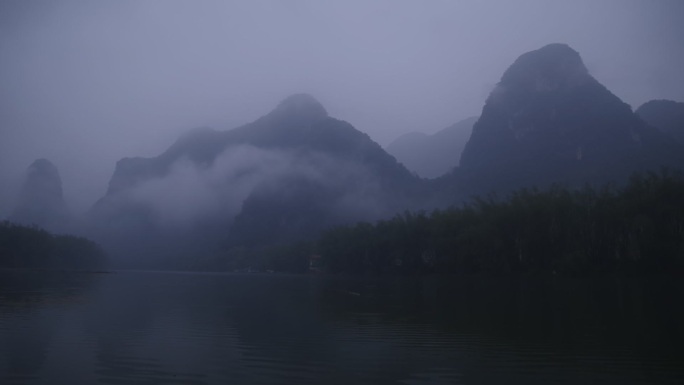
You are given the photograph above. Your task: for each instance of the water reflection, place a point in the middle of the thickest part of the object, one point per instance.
(30, 315)
(161, 328)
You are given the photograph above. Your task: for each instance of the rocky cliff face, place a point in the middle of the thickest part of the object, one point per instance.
(431, 156)
(665, 115)
(549, 120)
(41, 201)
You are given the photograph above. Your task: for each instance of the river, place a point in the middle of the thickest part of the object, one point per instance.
(195, 328)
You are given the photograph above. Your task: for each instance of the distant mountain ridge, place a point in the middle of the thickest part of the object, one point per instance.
(298, 122)
(41, 200)
(431, 156)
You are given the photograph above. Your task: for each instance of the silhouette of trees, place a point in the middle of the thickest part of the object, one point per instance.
(637, 227)
(32, 247)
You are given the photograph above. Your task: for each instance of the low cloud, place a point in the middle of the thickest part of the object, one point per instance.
(190, 193)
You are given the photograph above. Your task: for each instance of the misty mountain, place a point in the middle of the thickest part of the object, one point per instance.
(41, 200)
(548, 120)
(297, 171)
(431, 156)
(665, 115)
(286, 176)
(298, 123)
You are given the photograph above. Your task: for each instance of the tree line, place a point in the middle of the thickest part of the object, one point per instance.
(33, 247)
(637, 227)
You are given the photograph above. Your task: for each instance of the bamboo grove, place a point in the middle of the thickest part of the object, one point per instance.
(638, 227)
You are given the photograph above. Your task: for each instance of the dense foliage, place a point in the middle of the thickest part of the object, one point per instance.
(31, 247)
(640, 226)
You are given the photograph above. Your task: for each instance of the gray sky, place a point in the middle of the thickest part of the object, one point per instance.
(85, 83)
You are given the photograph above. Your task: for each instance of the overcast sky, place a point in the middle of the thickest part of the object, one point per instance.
(85, 83)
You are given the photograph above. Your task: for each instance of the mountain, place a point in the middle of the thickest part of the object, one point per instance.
(298, 123)
(548, 120)
(41, 201)
(297, 171)
(665, 115)
(431, 156)
(286, 176)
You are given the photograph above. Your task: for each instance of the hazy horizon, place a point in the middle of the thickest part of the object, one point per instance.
(87, 83)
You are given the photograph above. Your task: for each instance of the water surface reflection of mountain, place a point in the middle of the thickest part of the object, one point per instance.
(143, 327)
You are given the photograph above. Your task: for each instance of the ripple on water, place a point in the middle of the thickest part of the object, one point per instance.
(211, 329)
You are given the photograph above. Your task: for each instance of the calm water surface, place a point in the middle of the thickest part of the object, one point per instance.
(178, 328)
